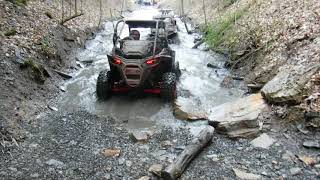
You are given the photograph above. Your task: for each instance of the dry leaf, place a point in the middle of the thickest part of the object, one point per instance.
(111, 152)
(308, 160)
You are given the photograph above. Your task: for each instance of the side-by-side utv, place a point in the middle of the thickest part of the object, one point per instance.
(143, 66)
(167, 16)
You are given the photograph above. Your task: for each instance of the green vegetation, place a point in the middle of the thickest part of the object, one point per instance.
(227, 3)
(216, 32)
(38, 72)
(47, 47)
(49, 15)
(11, 32)
(19, 2)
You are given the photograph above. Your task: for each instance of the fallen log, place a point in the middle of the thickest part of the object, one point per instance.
(174, 170)
(62, 74)
(198, 44)
(238, 78)
(255, 87)
(69, 18)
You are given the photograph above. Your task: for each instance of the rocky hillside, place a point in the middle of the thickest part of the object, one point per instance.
(34, 44)
(273, 44)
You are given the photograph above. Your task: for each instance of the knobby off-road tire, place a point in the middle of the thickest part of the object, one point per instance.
(104, 85)
(177, 70)
(168, 87)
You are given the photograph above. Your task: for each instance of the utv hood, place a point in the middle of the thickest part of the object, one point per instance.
(137, 48)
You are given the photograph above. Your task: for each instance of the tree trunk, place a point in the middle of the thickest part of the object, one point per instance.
(62, 9)
(122, 6)
(182, 8)
(198, 44)
(204, 12)
(174, 170)
(100, 13)
(70, 8)
(81, 6)
(75, 7)
(69, 18)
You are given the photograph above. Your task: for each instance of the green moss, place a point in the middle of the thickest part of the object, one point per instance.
(11, 32)
(19, 2)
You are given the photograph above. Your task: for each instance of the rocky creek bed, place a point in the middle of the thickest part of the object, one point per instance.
(75, 146)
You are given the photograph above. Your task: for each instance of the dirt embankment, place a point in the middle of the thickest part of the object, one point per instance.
(33, 45)
(273, 44)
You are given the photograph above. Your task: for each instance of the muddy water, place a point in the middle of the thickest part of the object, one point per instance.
(198, 89)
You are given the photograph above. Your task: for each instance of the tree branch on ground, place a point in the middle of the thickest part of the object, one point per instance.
(70, 18)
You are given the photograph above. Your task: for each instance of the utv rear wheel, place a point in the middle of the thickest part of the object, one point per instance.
(104, 85)
(168, 87)
(177, 70)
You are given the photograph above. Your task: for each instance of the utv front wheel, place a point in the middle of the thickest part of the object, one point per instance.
(168, 86)
(104, 85)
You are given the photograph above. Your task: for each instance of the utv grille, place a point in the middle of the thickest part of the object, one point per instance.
(133, 75)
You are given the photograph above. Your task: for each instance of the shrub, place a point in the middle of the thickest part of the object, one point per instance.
(47, 47)
(19, 2)
(11, 32)
(38, 72)
(49, 15)
(216, 31)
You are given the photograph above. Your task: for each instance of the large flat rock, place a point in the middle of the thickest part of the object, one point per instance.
(185, 109)
(239, 118)
(289, 85)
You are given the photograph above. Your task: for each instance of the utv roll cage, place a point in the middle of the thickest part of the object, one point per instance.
(152, 24)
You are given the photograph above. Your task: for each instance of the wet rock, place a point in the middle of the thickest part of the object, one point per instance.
(182, 114)
(128, 163)
(53, 108)
(111, 152)
(254, 87)
(13, 169)
(302, 129)
(244, 133)
(243, 175)
(166, 144)
(79, 64)
(238, 118)
(139, 136)
(35, 175)
(288, 86)
(289, 156)
(156, 169)
(144, 178)
(107, 176)
(62, 88)
(121, 161)
(213, 157)
(213, 66)
(264, 173)
(295, 171)
(311, 144)
(263, 141)
(228, 82)
(56, 163)
(313, 123)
